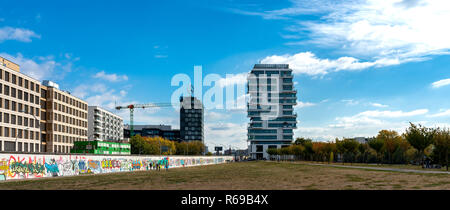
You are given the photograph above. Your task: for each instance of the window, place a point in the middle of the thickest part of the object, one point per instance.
(26, 84)
(19, 94)
(259, 148)
(6, 119)
(10, 146)
(6, 104)
(6, 91)
(32, 86)
(20, 81)
(14, 79)
(6, 76)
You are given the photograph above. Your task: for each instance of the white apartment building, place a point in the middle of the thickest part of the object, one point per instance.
(270, 108)
(104, 125)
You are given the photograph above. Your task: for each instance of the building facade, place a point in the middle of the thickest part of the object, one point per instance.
(164, 131)
(104, 125)
(270, 108)
(19, 110)
(66, 119)
(191, 119)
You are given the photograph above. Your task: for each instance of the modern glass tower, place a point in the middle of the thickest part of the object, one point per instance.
(270, 108)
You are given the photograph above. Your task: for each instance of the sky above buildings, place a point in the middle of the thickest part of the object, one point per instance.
(359, 66)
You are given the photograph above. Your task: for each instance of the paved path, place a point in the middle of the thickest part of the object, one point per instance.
(378, 168)
(383, 169)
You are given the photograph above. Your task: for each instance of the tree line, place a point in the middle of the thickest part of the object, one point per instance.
(161, 146)
(412, 147)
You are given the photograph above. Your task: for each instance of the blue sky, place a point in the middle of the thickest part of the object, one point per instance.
(360, 66)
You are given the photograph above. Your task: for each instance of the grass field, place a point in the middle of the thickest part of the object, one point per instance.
(243, 176)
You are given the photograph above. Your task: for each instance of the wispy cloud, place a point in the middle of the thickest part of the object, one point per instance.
(308, 63)
(379, 105)
(441, 83)
(18, 34)
(443, 113)
(301, 104)
(110, 77)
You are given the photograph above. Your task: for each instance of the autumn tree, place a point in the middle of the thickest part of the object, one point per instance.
(441, 141)
(420, 138)
(391, 141)
(377, 145)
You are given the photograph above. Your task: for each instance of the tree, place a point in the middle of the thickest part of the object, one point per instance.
(377, 145)
(420, 138)
(350, 148)
(363, 148)
(137, 144)
(391, 140)
(302, 141)
(441, 141)
(297, 150)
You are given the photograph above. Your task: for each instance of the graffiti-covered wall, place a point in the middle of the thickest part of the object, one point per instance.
(25, 166)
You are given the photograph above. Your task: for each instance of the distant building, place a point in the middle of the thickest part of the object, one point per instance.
(270, 108)
(164, 131)
(66, 118)
(191, 119)
(362, 140)
(101, 147)
(104, 125)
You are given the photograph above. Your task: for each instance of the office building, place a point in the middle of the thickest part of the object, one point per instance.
(164, 131)
(104, 125)
(19, 110)
(191, 119)
(66, 118)
(270, 108)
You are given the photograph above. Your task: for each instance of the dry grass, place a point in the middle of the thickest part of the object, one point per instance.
(243, 176)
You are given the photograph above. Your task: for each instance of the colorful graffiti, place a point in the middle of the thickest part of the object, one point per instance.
(24, 166)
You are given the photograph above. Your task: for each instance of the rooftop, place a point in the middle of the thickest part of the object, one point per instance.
(271, 66)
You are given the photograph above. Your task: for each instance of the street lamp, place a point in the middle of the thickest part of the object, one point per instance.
(39, 126)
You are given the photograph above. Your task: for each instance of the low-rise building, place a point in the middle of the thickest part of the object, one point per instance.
(164, 131)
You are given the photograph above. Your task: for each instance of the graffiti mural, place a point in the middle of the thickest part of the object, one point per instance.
(25, 166)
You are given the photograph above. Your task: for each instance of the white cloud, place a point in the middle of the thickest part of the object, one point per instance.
(378, 105)
(373, 118)
(441, 83)
(110, 77)
(18, 34)
(301, 104)
(233, 134)
(392, 114)
(443, 113)
(41, 67)
(308, 63)
(388, 32)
